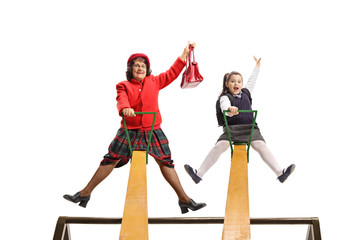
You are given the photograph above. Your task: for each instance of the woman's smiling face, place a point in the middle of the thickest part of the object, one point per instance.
(139, 69)
(234, 84)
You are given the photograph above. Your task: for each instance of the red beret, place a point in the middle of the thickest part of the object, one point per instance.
(136, 55)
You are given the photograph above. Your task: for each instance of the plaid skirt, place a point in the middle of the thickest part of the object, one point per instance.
(119, 147)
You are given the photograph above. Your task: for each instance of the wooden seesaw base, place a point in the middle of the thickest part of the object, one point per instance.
(237, 215)
(135, 217)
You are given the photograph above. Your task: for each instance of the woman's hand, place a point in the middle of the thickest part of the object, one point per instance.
(129, 112)
(257, 62)
(187, 50)
(233, 111)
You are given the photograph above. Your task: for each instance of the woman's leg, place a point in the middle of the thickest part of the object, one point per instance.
(266, 155)
(101, 173)
(212, 157)
(172, 178)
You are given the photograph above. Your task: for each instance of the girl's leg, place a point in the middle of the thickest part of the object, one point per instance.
(101, 173)
(266, 155)
(212, 157)
(172, 178)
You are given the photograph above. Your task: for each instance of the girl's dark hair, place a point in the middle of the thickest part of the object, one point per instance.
(227, 76)
(129, 71)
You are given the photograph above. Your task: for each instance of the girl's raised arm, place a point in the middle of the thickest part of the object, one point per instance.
(252, 79)
(257, 62)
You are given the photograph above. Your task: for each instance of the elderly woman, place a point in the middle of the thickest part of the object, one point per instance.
(140, 94)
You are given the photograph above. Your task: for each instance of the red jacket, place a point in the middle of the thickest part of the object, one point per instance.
(143, 96)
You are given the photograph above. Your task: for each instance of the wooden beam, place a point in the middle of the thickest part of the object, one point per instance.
(237, 216)
(135, 217)
(63, 221)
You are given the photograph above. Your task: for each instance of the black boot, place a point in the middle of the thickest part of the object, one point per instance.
(76, 198)
(192, 205)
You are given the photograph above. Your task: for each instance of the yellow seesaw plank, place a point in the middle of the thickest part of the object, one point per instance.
(237, 216)
(134, 224)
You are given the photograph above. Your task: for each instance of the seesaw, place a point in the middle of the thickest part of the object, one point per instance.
(237, 213)
(236, 223)
(135, 216)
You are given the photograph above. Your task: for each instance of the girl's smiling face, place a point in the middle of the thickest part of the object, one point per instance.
(234, 84)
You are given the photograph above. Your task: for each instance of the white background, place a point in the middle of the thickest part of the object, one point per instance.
(60, 62)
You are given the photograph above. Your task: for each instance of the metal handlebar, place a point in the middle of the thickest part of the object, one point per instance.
(252, 129)
(151, 132)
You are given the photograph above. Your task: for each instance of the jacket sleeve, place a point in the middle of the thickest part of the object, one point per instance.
(164, 79)
(122, 97)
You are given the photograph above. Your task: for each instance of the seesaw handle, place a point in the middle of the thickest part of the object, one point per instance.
(252, 130)
(151, 132)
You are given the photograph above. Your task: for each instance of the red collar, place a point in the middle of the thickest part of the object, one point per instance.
(138, 82)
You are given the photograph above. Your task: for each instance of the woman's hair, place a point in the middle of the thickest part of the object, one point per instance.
(129, 71)
(227, 76)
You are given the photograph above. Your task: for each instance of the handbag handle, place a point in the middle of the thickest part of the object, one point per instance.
(191, 52)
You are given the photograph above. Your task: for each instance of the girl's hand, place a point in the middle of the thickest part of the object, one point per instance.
(187, 50)
(233, 111)
(129, 112)
(257, 62)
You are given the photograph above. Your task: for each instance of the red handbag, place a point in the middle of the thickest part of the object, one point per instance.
(191, 76)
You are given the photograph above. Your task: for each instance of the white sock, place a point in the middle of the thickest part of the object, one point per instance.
(214, 154)
(266, 155)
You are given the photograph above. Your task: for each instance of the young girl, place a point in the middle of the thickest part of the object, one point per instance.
(139, 93)
(239, 126)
